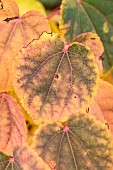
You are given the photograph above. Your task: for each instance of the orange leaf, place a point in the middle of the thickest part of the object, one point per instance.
(104, 101)
(12, 125)
(16, 33)
(8, 9)
(95, 110)
(93, 41)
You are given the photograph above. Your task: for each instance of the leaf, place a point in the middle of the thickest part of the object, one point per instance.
(14, 35)
(25, 6)
(12, 126)
(96, 111)
(83, 143)
(94, 43)
(8, 9)
(54, 26)
(24, 158)
(31, 126)
(78, 16)
(53, 80)
(104, 100)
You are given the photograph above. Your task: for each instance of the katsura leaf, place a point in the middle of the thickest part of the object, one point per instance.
(8, 9)
(94, 43)
(14, 35)
(78, 16)
(54, 80)
(83, 143)
(104, 100)
(24, 158)
(12, 125)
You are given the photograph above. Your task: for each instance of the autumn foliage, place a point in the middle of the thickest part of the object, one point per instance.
(56, 109)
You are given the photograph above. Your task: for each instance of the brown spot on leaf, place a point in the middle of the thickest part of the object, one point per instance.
(57, 76)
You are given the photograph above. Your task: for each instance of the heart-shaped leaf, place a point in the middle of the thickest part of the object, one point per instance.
(24, 158)
(54, 80)
(12, 125)
(78, 16)
(83, 143)
(14, 35)
(94, 43)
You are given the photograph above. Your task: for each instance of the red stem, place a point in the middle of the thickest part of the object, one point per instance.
(53, 13)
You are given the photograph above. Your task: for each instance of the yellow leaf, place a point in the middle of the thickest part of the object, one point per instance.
(12, 127)
(27, 5)
(53, 26)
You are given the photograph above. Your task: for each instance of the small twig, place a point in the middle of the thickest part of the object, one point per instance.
(53, 13)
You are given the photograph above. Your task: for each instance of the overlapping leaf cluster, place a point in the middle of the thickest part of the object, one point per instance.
(53, 84)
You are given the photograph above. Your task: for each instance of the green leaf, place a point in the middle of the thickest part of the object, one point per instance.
(50, 4)
(78, 16)
(54, 80)
(81, 144)
(24, 158)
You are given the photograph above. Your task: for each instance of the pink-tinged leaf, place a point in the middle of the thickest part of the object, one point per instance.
(8, 9)
(54, 80)
(96, 111)
(14, 35)
(93, 41)
(82, 144)
(12, 125)
(24, 158)
(104, 100)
